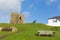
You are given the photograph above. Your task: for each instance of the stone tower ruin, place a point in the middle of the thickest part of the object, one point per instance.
(17, 18)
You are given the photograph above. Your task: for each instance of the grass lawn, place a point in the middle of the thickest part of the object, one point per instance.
(27, 32)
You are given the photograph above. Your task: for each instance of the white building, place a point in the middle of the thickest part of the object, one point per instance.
(54, 21)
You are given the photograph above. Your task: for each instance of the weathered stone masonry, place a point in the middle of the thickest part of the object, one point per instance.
(17, 18)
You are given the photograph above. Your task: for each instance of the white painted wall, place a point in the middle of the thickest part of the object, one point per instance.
(52, 23)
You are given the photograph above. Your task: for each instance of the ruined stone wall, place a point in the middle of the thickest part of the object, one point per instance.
(21, 19)
(14, 18)
(17, 18)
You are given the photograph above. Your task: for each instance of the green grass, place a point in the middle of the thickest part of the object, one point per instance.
(28, 31)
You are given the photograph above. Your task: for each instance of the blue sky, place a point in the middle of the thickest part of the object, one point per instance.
(39, 10)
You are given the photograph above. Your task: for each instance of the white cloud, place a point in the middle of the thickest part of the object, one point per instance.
(8, 6)
(23, 0)
(31, 6)
(14, 5)
(49, 2)
(27, 14)
(52, 0)
(58, 7)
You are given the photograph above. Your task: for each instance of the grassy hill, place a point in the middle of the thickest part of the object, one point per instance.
(27, 32)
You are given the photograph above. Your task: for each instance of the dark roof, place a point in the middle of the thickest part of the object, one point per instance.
(56, 17)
